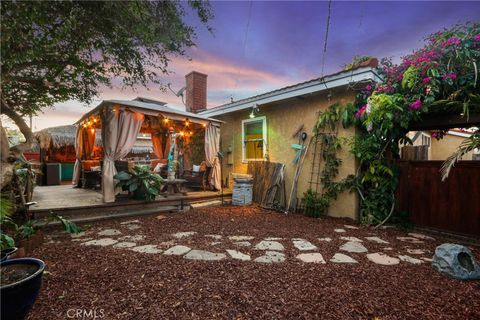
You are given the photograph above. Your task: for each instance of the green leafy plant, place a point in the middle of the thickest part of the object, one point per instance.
(141, 182)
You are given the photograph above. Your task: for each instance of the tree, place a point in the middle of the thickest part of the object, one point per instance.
(58, 51)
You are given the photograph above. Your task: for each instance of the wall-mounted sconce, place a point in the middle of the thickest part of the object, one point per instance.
(255, 109)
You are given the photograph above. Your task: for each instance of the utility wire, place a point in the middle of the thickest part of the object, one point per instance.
(326, 36)
(244, 49)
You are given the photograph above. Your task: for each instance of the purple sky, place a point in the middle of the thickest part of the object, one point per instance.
(284, 45)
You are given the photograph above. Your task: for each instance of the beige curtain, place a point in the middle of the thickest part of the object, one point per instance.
(212, 147)
(89, 142)
(157, 139)
(120, 129)
(77, 168)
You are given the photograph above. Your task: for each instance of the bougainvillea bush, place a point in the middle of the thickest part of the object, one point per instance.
(441, 77)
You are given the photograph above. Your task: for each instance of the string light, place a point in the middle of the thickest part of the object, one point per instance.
(186, 122)
(165, 120)
(182, 133)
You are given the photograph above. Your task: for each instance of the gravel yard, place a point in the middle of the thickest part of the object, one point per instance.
(243, 263)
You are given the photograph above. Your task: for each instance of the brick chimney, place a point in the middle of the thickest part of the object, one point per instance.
(196, 97)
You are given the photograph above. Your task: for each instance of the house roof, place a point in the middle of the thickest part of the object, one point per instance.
(361, 73)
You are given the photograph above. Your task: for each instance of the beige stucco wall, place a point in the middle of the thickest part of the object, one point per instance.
(443, 148)
(283, 119)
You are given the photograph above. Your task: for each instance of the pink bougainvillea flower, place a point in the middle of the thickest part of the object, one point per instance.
(477, 37)
(359, 113)
(450, 41)
(428, 90)
(369, 87)
(416, 104)
(452, 76)
(426, 80)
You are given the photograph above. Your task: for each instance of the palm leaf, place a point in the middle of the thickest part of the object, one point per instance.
(465, 147)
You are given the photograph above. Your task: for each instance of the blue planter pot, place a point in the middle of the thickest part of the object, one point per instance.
(6, 253)
(18, 298)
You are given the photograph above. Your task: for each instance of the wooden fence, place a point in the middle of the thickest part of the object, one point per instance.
(452, 205)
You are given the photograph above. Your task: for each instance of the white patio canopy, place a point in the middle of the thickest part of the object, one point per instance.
(121, 121)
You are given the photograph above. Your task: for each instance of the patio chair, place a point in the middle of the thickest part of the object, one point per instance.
(198, 179)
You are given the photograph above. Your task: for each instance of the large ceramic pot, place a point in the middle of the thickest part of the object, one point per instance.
(8, 253)
(21, 281)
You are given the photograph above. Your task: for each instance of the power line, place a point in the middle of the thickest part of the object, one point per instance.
(326, 36)
(247, 28)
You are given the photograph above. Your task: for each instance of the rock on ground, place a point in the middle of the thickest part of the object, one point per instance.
(204, 255)
(271, 257)
(177, 250)
(342, 258)
(456, 261)
(377, 240)
(382, 258)
(270, 245)
(410, 260)
(109, 232)
(124, 244)
(149, 248)
(186, 234)
(353, 246)
(238, 255)
(100, 242)
(351, 239)
(313, 257)
(303, 245)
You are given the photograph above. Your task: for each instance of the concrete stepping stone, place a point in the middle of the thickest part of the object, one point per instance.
(132, 226)
(325, 239)
(382, 259)
(134, 238)
(214, 243)
(100, 242)
(304, 245)
(77, 240)
(342, 258)
(177, 251)
(78, 235)
(242, 243)
(204, 255)
(350, 226)
(271, 257)
(420, 236)
(270, 245)
(427, 259)
(313, 257)
(340, 230)
(238, 255)
(377, 240)
(410, 239)
(149, 248)
(109, 232)
(416, 251)
(124, 244)
(180, 235)
(130, 222)
(214, 236)
(241, 238)
(273, 239)
(351, 239)
(353, 246)
(410, 260)
(388, 249)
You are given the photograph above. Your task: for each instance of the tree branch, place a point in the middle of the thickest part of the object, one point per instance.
(22, 126)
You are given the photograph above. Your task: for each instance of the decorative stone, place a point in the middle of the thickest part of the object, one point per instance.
(149, 248)
(124, 244)
(177, 251)
(427, 259)
(271, 257)
(109, 232)
(388, 248)
(269, 245)
(240, 238)
(377, 240)
(77, 240)
(134, 238)
(415, 251)
(204, 255)
(313, 257)
(160, 217)
(242, 243)
(130, 222)
(303, 245)
(410, 239)
(339, 230)
(382, 258)
(351, 239)
(273, 239)
(410, 260)
(180, 235)
(238, 255)
(350, 226)
(420, 236)
(133, 226)
(214, 236)
(100, 242)
(325, 239)
(353, 246)
(456, 261)
(78, 235)
(342, 258)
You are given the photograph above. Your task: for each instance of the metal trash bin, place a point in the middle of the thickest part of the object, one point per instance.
(242, 189)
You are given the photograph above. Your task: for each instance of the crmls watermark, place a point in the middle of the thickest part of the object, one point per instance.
(82, 313)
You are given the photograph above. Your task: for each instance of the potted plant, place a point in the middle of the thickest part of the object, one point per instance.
(140, 182)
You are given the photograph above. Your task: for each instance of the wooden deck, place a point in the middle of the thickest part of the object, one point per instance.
(87, 204)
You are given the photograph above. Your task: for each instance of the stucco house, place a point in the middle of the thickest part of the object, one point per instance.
(263, 126)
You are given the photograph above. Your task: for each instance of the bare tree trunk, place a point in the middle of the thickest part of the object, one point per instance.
(22, 126)
(6, 169)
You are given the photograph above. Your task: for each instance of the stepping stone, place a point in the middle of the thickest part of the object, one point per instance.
(238, 255)
(101, 242)
(109, 232)
(427, 259)
(149, 248)
(350, 226)
(325, 239)
(214, 236)
(124, 244)
(420, 236)
(342, 258)
(204, 255)
(351, 239)
(78, 240)
(382, 258)
(410, 239)
(78, 235)
(377, 240)
(270, 245)
(133, 226)
(242, 243)
(415, 251)
(180, 235)
(353, 246)
(135, 238)
(160, 217)
(240, 238)
(314, 257)
(214, 243)
(303, 245)
(410, 259)
(271, 257)
(273, 239)
(177, 251)
(130, 222)
(388, 249)
(339, 230)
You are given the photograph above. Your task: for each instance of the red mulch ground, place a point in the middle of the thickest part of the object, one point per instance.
(122, 284)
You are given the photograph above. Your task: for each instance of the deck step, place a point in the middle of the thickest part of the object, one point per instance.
(203, 204)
